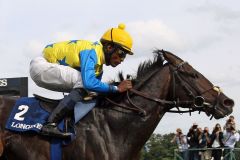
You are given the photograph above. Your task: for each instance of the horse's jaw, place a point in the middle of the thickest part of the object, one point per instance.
(221, 113)
(221, 109)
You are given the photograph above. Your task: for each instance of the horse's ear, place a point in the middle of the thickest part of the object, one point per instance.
(171, 58)
(175, 60)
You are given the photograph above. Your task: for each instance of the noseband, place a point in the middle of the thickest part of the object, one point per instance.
(197, 102)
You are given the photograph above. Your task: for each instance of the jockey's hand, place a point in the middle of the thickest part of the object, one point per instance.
(124, 86)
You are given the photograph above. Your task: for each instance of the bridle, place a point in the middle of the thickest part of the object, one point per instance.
(197, 102)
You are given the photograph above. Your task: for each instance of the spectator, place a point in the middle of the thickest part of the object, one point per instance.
(193, 140)
(231, 136)
(217, 142)
(181, 141)
(204, 142)
(230, 123)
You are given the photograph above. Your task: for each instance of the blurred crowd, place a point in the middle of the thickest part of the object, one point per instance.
(194, 144)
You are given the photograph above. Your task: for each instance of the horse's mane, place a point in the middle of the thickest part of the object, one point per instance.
(145, 67)
(150, 65)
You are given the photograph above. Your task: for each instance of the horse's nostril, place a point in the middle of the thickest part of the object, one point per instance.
(228, 102)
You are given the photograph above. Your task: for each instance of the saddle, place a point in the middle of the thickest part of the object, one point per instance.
(47, 103)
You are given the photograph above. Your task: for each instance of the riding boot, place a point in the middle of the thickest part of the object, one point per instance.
(64, 108)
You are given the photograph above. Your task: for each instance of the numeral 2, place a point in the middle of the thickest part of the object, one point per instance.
(23, 109)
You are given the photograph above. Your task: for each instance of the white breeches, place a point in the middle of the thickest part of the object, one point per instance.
(53, 76)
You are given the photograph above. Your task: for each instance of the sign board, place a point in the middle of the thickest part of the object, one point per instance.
(14, 86)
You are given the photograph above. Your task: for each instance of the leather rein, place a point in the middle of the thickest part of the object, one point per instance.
(198, 102)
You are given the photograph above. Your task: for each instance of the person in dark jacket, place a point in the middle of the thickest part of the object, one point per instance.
(217, 142)
(205, 142)
(193, 141)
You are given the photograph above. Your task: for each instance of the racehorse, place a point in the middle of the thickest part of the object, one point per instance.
(118, 127)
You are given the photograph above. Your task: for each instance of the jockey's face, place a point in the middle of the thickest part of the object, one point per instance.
(117, 57)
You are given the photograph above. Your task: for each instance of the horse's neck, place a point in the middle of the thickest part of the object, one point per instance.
(157, 87)
(131, 131)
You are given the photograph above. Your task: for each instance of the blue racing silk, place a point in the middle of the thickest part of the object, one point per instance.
(85, 56)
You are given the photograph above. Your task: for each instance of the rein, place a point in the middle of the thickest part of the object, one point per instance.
(124, 106)
(198, 102)
(141, 111)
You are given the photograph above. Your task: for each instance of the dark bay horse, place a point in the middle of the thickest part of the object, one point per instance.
(118, 128)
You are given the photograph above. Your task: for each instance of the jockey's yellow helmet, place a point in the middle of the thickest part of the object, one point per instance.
(120, 37)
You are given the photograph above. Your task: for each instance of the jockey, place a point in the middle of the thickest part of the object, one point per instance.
(72, 66)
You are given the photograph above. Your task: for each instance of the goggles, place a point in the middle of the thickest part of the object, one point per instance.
(122, 54)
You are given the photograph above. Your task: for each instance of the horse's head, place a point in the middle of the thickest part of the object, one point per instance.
(188, 85)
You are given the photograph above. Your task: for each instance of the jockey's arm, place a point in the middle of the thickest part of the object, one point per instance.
(88, 59)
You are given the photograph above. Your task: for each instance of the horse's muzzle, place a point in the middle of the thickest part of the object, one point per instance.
(224, 108)
(228, 103)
